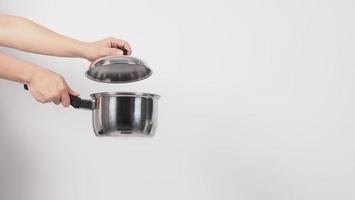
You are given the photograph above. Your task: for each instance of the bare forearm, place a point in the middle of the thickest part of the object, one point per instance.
(15, 69)
(44, 85)
(25, 35)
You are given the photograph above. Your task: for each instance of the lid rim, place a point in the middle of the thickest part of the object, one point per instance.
(118, 82)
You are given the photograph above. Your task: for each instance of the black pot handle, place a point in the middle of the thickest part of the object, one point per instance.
(77, 102)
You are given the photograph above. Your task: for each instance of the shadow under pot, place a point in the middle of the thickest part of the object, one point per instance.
(122, 113)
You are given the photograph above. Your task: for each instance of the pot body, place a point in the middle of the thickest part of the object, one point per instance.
(125, 114)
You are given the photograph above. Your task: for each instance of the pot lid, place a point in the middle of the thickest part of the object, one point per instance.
(118, 69)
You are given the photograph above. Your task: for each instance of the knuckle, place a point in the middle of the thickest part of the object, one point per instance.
(40, 100)
(48, 71)
(54, 96)
(62, 89)
(59, 92)
(49, 98)
(43, 100)
(61, 78)
(57, 98)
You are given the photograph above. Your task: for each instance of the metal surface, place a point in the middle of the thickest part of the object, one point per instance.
(125, 114)
(118, 69)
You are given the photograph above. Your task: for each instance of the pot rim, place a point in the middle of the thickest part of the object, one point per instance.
(125, 94)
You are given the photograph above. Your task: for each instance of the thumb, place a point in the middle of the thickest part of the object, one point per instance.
(114, 51)
(72, 92)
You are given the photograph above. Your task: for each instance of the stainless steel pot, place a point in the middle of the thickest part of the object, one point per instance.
(121, 113)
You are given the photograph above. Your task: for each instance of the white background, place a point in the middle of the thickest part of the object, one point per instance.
(257, 103)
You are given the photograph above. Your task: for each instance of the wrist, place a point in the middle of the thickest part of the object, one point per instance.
(80, 49)
(28, 72)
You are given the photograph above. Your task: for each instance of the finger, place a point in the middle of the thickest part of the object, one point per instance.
(38, 96)
(116, 43)
(45, 100)
(65, 100)
(41, 99)
(129, 49)
(114, 51)
(109, 52)
(57, 101)
(73, 92)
